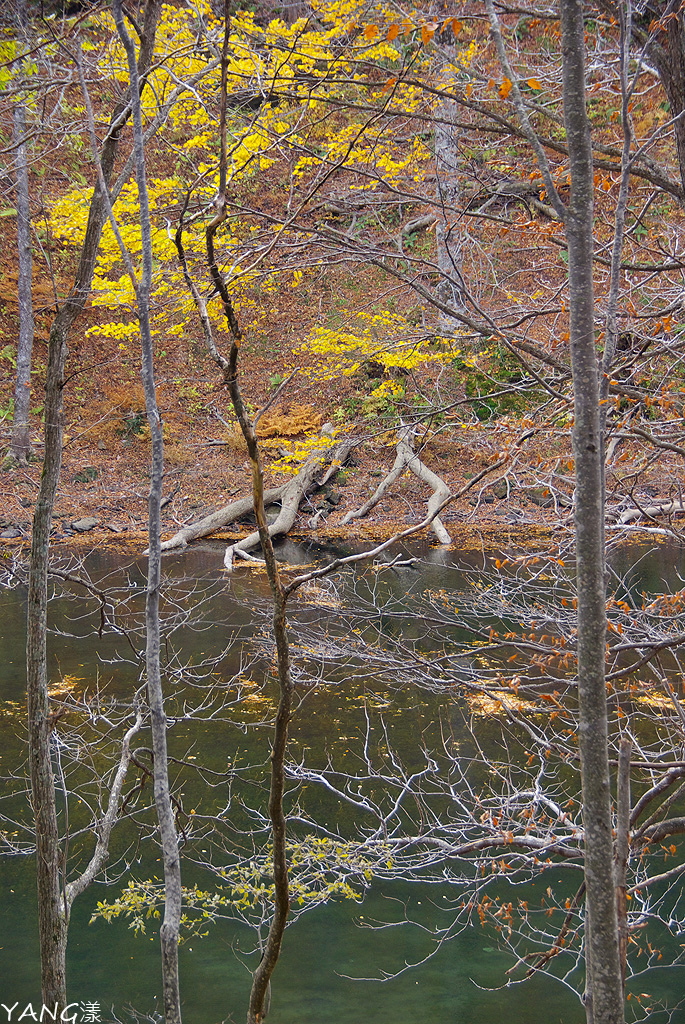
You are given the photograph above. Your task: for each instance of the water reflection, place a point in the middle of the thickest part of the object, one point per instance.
(342, 708)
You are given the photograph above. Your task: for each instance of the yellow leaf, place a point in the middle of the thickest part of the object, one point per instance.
(456, 26)
(533, 83)
(427, 34)
(505, 88)
(469, 89)
(370, 31)
(393, 32)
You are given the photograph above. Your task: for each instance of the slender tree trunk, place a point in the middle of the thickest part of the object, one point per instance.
(603, 948)
(272, 947)
(623, 848)
(20, 447)
(448, 230)
(666, 49)
(169, 931)
(53, 920)
(274, 939)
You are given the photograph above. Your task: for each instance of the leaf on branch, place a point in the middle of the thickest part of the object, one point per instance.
(393, 33)
(505, 88)
(390, 84)
(370, 31)
(427, 34)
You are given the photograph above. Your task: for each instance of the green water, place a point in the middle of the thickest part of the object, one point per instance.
(328, 950)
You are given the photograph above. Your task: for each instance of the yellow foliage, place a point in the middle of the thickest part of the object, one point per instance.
(296, 454)
(386, 338)
(496, 702)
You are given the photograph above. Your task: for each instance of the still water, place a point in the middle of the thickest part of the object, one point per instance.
(329, 949)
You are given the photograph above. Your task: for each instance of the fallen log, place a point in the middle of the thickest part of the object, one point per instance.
(505, 192)
(670, 508)
(292, 495)
(408, 459)
(217, 520)
(288, 495)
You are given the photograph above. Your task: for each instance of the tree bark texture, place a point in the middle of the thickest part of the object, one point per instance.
(603, 950)
(623, 848)
(52, 912)
(665, 47)
(448, 229)
(20, 447)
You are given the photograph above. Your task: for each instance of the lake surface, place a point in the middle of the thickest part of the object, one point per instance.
(342, 708)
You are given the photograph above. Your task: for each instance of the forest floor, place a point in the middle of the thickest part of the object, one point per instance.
(104, 479)
(106, 453)
(104, 482)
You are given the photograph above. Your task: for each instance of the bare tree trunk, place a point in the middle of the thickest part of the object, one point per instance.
(217, 520)
(661, 27)
(292, 495)
(274, 939)
(272, 947)
(658, 29)
(20, 448)
(623, 848)
(52, 915)
(447, 197)
(604, 963)
(169, 932)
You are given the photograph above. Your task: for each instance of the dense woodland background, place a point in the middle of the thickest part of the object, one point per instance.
(424, 264)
